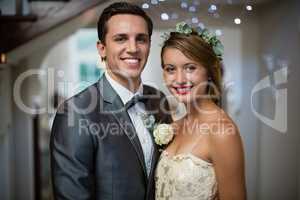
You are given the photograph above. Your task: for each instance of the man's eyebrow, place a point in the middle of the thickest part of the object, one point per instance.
(125, 35)
(143, 34)
(120, 35)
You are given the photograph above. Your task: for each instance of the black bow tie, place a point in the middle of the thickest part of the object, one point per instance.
(135, 99)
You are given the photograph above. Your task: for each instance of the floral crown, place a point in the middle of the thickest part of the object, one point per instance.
(211, 39)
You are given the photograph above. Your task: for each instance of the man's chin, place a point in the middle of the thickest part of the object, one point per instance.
(131, 76)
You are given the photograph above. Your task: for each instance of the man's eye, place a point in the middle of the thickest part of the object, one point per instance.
(120, 39)
(142, 40)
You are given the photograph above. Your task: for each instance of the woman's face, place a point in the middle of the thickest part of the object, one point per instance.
(185, 78)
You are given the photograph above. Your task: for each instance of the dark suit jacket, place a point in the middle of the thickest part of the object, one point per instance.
(95, 153)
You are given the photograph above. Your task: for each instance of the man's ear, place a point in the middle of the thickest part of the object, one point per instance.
(101, 50)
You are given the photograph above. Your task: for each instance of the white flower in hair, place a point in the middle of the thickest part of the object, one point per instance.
(204, 33)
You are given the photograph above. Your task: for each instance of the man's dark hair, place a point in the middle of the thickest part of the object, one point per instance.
(121, 8)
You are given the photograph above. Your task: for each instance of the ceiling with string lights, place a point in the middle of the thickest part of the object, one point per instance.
(195, 12)
(42, 15)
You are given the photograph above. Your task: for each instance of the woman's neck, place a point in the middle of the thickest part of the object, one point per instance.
(202, 108)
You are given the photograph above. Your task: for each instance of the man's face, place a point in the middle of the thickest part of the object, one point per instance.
(126, 48)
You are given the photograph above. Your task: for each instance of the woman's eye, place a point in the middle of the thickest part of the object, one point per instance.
(169, 69)
(190, 68)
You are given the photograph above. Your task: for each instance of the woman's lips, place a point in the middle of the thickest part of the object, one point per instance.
(183, 90)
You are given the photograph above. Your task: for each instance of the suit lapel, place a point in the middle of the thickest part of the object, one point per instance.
(152, 107)
(114, 105)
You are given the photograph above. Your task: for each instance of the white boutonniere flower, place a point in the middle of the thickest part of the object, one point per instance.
(163, 134)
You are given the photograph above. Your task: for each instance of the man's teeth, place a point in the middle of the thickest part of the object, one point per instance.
(131, 60)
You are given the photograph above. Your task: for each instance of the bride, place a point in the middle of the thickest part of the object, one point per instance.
(205, 159)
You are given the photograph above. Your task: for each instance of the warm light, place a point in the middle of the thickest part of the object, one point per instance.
(164, 16)
(248, 7)
(192, 9)
(213, 7)
(237, 21)
(2, 58)
(145, 6)
(184, 4)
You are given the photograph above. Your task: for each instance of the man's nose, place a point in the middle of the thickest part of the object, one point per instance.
(132, 46)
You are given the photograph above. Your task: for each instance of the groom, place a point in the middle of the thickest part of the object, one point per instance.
(100, 147)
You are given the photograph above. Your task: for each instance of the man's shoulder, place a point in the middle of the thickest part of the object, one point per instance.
(82, 99)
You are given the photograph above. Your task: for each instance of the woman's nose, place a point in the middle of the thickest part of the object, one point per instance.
(180, 76)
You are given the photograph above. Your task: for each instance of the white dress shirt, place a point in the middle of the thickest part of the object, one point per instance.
(135, 115)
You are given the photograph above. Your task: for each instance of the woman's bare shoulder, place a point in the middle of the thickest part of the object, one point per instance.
(222, 127)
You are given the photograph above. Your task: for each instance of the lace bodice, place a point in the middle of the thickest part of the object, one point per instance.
(184, 177)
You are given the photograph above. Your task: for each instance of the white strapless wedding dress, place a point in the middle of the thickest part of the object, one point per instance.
(184, 177)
